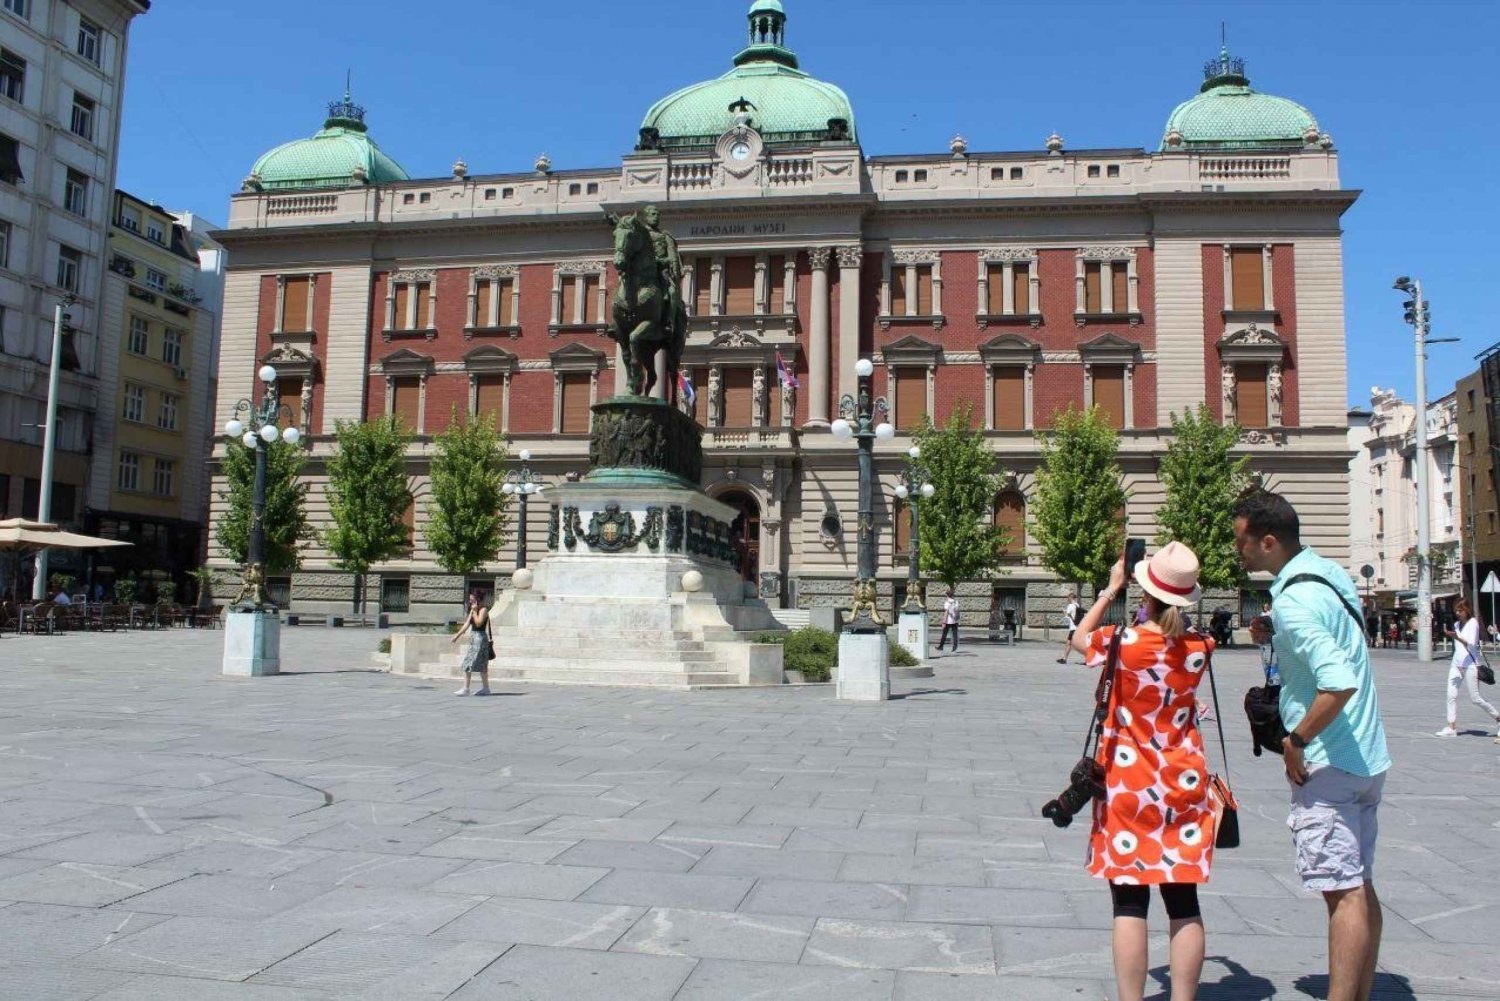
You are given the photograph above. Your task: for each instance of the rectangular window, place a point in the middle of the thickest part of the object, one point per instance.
(588, 287)
(1246, 278)
(492, 302)
(82, 123)
(10, 161)
(5, 247)
(76, 193)
(166, 416)
(1093, 297)
(739, 397)
(911, 398)
(776, 285)
(1250, 406)
(924, 290)
(1021, 293)
(569, 305)
(409, 522)
(489, 194)
(1093, 170)
(406, 400)
(919, 176)
(135, 404)
(1017, 173)
(289, 400)
(161, 482)
(1113, 170)
(575, 403)
(423, 294)
(484, 300)
(12, 76)
(89, 36)
(703, 288)
(171, 347)
(156, 279)
(17, 7)
(898, 290)
(1010, 398)
(995, 288)
(130, 471)
(154, 231)
(1109, 393)
(739, 286)
(401, 299)
(69, 263)
(130, 219)
(1119, 288)
(489, 396)
(139, 342)
(395, 592)
(296, 303)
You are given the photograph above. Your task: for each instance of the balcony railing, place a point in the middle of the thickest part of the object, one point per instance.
(1245, 168)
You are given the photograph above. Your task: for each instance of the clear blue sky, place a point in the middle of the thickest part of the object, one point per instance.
(1404, 88)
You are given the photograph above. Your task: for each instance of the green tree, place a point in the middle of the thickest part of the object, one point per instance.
(285, 517)
(1203, 479)
(466, 519)
(958, 537)
(1076, 512)
(368, 494)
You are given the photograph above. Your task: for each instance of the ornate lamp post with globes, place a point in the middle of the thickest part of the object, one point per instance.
(864, 660)
(912, 489)
(521, 482)
(252, 633)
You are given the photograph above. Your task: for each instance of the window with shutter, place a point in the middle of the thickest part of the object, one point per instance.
(402, 300)
(901, 519)
(1247, 278)
(1021, 280)
(589, 288)
(739, 389)
(1250, 403)
(911, 398)
(924, 290)
(776, 285)
(406, 400)
(296, 303)
(995, 289)
(423, 294)
(575, 403)
(1010, 518)
(1010, 398)
(569, 300)
(1120, 287)
(703, 286)
(1109, 393)
(898, 290)
(1092, 294)
(489, 396)
(289, 395)
(484, 300)
(505, 289)
(739, 286)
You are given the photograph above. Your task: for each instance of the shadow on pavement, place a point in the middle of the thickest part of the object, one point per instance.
(929, 691)
(1239, 985)
(1388, 987)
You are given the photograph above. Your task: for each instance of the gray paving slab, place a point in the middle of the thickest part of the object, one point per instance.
(204, 948)
(630, 855)
(243, 898)
(717, 979)
(879, 901)
(41, 933)
(669, 889)
(531, 973)
(564, 924)
(157, 988)
(521, 879)
(80, 885)
(666, 931)
(901, 945)
(354, 964)
(56, 983)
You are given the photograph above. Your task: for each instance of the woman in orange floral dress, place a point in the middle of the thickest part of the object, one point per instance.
(1155, 827)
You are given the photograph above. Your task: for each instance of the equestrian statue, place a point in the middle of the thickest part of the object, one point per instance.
(647, 309)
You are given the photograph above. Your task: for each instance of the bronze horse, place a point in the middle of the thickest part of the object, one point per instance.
(641, 309)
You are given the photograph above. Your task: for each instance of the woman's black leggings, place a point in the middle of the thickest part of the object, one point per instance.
(1180, 899)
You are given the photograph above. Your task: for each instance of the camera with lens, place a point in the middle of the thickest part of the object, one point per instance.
(1085, 784)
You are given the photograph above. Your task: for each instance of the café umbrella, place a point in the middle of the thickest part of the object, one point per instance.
(22, 538)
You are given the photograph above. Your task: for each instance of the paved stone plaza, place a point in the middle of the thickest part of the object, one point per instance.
(335, 832)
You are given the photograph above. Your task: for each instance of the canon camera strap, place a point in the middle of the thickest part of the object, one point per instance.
(1095, 732)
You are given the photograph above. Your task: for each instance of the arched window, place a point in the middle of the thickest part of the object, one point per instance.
(1010, 518)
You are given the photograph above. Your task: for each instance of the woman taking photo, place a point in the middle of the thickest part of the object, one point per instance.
(1464, 669)
(477, 657)
(1155, 826)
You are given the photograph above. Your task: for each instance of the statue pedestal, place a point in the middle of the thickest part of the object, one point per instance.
(911, 633)
(252, 644)
(864, 667)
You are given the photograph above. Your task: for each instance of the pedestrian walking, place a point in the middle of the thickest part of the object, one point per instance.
(1335, 752)
(1464, 669)
(1155, 826)
(1070, 613)
(481, 644)
(950, 620)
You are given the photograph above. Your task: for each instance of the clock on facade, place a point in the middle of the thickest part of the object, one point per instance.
(740, 151)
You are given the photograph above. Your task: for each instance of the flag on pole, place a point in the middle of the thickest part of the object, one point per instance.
(784, 374)
(685, 387)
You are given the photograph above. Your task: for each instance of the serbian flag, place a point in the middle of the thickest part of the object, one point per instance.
(685, 387)
(788, 380)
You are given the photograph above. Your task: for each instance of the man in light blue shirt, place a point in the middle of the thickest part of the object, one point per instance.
(1335, 751)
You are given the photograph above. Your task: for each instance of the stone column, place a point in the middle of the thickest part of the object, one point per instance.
(818, 346)
(849, 261)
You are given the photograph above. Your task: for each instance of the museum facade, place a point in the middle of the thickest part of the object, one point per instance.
(1207, 270)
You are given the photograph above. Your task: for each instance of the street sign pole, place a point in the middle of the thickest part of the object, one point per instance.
(1490, 586)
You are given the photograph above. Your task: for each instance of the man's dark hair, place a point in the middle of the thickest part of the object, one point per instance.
(1266, 513)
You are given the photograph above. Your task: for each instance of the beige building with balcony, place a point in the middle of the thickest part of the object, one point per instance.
(1206, 270)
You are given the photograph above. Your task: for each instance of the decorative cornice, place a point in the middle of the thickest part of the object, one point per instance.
(491, 272)
(1107, 253)
(581, 267)
(1008, 254)
(414, 275)
(911, 256)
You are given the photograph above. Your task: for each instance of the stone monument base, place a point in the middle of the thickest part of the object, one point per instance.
(864, 667)
(252, 644)
(912, 634)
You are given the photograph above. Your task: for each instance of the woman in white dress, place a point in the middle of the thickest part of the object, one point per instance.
(476, 658)
(1464, 669)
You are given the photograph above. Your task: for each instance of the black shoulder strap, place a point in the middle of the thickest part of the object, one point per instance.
(1208, 665)
(1304, 578)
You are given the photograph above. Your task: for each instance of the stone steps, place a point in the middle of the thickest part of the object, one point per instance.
(622, 674)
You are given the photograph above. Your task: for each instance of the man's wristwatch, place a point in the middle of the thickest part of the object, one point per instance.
(1297, 740)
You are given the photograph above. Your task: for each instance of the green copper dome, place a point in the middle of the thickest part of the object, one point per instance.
(1228, 114)
(766, 88)
(340, 154)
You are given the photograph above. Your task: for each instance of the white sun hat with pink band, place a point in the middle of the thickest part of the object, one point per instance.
(1171, 575)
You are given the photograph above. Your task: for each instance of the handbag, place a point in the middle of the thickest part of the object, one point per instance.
(1483, 669)
(488, 653)
(1221, 801)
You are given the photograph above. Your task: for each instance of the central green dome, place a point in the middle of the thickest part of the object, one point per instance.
(1227, 114)
(338, 155)
(766, 89)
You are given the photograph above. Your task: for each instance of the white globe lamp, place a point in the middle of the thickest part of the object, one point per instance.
(901, 491)
(864, 368)
(841, 429)
(928, 490)
(267, 374)
(234, 428)
(249, 439)
(269, 433)
(509, 488)
(915, 451)
(884, 431)
(291, 436)
(525, 455)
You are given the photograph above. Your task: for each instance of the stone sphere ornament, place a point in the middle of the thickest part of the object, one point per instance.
(692, 582)
(1054, 143)
(522, 579)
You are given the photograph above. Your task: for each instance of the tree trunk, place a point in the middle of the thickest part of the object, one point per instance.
(359, 593)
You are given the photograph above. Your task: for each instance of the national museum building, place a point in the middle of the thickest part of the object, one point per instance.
(1208, 269)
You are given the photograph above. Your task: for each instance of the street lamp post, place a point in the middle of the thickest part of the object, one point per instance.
(521, 482)
(912, 489)
(49, 438)
(258, 432)
(858, 421)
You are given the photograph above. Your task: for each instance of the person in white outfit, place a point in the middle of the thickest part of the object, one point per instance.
(1464, 669)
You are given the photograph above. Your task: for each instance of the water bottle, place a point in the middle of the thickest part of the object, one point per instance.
(1268, 664)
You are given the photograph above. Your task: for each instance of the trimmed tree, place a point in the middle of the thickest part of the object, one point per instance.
(467, 516)
(285, 517)
(1078, 500)
(958, 537)
(1203, 479)
(368, 494)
